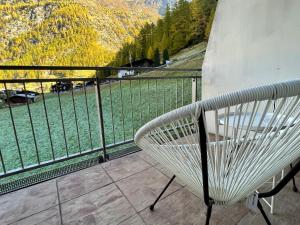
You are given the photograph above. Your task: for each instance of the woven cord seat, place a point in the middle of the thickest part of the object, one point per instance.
(256, 133)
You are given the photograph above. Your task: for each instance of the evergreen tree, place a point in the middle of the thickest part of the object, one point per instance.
(180, 26)
(143, 40)
(198, 22)
(165, 43)
(166, 56)
(150, 53)
(188, 23)
(209, 24)
(156, 57)
(167, 24)
(158, 34)
(201, 11)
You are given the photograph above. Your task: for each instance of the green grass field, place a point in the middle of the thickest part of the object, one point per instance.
(127, 105)
(130, 106)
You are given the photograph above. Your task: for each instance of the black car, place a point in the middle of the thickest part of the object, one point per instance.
(78, 86)
(14, 96)
(89, 83)
(62, 86)
(27, 92)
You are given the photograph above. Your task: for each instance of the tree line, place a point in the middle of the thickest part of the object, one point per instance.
(66, 37)
(186, 24)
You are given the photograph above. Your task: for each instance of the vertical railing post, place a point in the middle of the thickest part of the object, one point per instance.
(194, 89)
(199, 88)
(13, 125)
(100, 117)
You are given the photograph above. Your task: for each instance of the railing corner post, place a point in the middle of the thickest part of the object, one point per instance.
(100, 117)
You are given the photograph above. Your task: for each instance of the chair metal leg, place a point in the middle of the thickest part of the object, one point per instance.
(166, 187)
(289, 176)
(208, 214)
(282, 183)
(259, 206)
(295, 189)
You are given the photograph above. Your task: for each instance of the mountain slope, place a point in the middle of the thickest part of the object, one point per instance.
(69, 32)
(117, 21)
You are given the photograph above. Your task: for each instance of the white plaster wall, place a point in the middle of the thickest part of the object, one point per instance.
(252, 42)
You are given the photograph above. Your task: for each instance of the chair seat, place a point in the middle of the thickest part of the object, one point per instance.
(259, 135)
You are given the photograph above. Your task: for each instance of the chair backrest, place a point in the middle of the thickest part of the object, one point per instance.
(246, 136)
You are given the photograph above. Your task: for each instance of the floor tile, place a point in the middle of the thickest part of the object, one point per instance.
(287, 208)
(183, 208)
(199, 195)
(180, 208)
(142, 189)
(169, 174)
(134, 220)
(104, 206)
(149, 159)
(48, 217)
(98, 201)
(125, 166)
(229, 215)
(81, 182)
(23, 203)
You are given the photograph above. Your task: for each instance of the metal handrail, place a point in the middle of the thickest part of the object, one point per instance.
(15, 67)
(94, 79)
(178, 88)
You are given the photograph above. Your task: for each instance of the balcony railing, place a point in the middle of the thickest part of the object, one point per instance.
(87, 119)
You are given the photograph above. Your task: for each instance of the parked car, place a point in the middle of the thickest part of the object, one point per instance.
(62, 86)
(21, 99)
(6, 93)
(89, 83)
(79, 86)
(33, 93)
(18, 96)
(2, 103)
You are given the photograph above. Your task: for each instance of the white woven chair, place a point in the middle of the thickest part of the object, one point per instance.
(256, 133)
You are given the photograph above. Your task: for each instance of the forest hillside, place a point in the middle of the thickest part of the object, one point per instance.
(69, 32)
(97, 32)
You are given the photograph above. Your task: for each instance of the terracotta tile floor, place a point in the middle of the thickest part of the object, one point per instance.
(120, 192)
